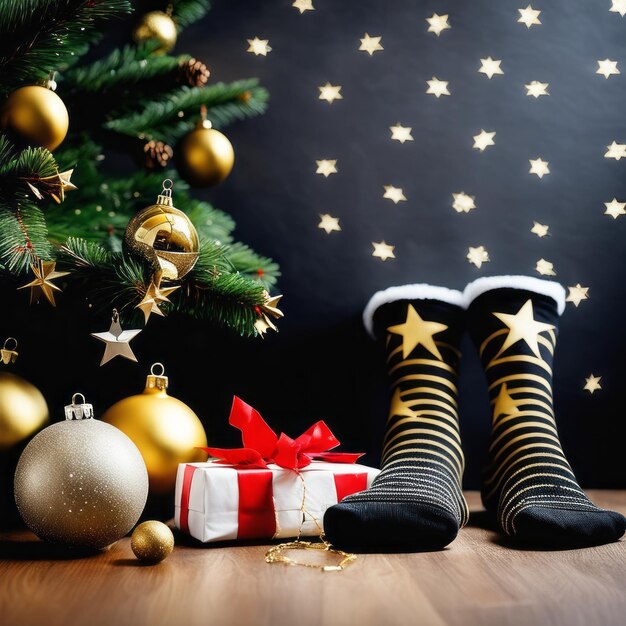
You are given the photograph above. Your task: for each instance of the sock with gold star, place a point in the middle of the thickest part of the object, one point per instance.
(529, 486)
(416, 502)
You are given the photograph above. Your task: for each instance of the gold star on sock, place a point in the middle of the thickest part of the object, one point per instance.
(545, 268)
(326, 167)
(416, 331)
(478, 256)
(490, 67)
(523, 327)
(607, 68)
(577, 294)
(504, 405)
(303, 5)
(536, 89)
(616, 151)
(437, 24)
(484, 139)
(541, 230)
(395, 194)
(329, 223)
(539, 167)
(462, 203)
(592, 383)
(437, 87)
(259, 46)
(370, 44)
(615, 208)
(330, 93)
(400, 408)
(383, 250)
(45, 273)
(401, 133)
(529, 16)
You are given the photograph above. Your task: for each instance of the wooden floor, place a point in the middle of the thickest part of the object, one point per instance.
(474, 581)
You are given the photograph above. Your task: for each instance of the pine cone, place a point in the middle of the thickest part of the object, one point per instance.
(157, 154)
(195, 73)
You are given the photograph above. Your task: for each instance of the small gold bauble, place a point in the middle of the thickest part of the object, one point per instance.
(36, 115)
(166, 431)
(204, 156)
(157, 25)
(23, 410)
(152, 542)
(165, 237)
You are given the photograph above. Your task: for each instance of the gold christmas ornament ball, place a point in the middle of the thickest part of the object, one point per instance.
(166, 431)
(81, 482)
(23, 410)
(204, 156)
(36, 115)
(152, 542)
(157, 25)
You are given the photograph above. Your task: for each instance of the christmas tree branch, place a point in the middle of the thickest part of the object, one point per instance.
(186, 12)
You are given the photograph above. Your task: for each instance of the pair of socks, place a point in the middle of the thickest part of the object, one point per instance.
(529, 489)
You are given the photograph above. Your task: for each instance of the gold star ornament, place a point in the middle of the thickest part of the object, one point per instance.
(116, 340)
(330, 93)
(545, 268)
(462, 203)
(490, 67)
(539, 167)
(437, 24)
(415, 332)
(529, 16)
(537, 89)
(401, 133)
(383, 251)
(577, 294)
(329, 223)
(395, 194)
(303, 5)
(484, 140)
(45, 273)
(615, 208)
(55, 186)
(266, 311)
(478, 256)
(370, 44)
(326, 167)
(592, 383)
(607, 68)
(154, 296)
(541, 230)
(437, 87)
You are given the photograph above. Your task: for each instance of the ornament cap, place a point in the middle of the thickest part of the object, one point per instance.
(78, 411)
(156, 381)
(165, 197)
(9, 354)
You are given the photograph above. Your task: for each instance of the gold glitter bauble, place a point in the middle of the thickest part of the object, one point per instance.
(152, 542)
(36, 115)
(157, 25)
(165, 237)
(166, 431)
(204, 156)
(23, 410)
(81, 482)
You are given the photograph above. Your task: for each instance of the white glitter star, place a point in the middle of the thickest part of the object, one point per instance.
(539, 167)
(462, 203)
(615, 208)
(490, 67)
(259, 46)
(330, 92)
(545, 268)
(616, 151)
(529, 16)
(618, 6)
(478, 256)
(401, 133)
(370, 44)
(536, 89)
(383, 250)
(438, 23)
(437, 87)
(607, 68)
(484, 139)
(329, 223)
(394, 193)
(326, 167)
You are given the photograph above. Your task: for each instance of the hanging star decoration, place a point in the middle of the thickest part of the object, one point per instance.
(607, 68)
(326, 167)
(615, 208)
(437, 87)
(462, 203)
(401, 133)
(529, 16)
(154, 296)
(504, 404)
(618, 6)
(400, 408)
(303, 5)
(490, 67)
(45, 273)
(330, 93)
(395, 194)
(539, 167)
(523, 327)
(116, 340)
(370, 44)
(258, 46)
(438, 23)
(545, 268)
(478, 256)
(592, 383)
(537, 89)
(616, 151)
(266, 311)
(541, 230)
(329, 223)
(383, 250)
(484, 139)
(415, 331)
(577, 294)
(55, 186)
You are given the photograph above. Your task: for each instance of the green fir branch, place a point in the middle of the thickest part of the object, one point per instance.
(245, 260)
(186, 12)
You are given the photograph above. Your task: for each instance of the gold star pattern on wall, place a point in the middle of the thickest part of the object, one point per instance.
(417, 332)
(618, 6)
(592, 383)
(529, 16)
(383, 250)
(577, 294)
(395, 194)
(545, 268)
(437, 87)
(370, 44)
(330, 93)
(329, 223)
(478, 256)
(462, 203)
(615, 208)
(303, 5)
(490, 67)
(539, 229)
(539, 167)
(616, 151)
(484, 140)
(259, 47)
(326, 167)
(401, 133)
(537, 89)
(607, 68)
(437, 24)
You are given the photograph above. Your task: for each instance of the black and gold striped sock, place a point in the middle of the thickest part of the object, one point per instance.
(416, 502)
(529, 486)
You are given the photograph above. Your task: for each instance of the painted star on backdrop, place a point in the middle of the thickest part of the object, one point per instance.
(541, 230)
(529, 16)
(326, 167)
(616, 151)
(329, 223)
(330, 93)
(437, 87)
(577, 294)
(400, 408)
(484, 139)
(370, 44)
(537, 89)
(615, 208)
(592, 383)
(607, 68)
(45, 272)
(415, 332)
(401, 133)
(258, 46)
(504, 404)
(523, 327)
(462, 203)
(478, 256)
(303, 5)
(618, 6)
(395, 194)
(545, 268)
(437, 24)
(539, 167)
(383, 250)
(490, 67)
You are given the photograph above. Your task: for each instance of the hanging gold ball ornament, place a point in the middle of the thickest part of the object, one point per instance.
(164, 236)
(166, 431)
(157, 25)
(204, 156)
(36, 115)
(152, 542)
(81, 482)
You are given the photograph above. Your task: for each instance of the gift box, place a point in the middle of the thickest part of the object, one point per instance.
(273, 487)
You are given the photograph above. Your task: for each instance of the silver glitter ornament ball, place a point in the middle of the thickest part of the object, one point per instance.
(81, 482)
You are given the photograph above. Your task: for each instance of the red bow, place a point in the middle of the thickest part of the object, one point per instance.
(262, 446)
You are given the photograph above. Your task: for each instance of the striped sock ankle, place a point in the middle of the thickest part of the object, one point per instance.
(416, 502)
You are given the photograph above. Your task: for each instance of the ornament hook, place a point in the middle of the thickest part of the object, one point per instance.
(165, 197)
(7, 354)
(157, 365)
(78, 411)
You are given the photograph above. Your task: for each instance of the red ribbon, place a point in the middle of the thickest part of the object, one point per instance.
(261, 445)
